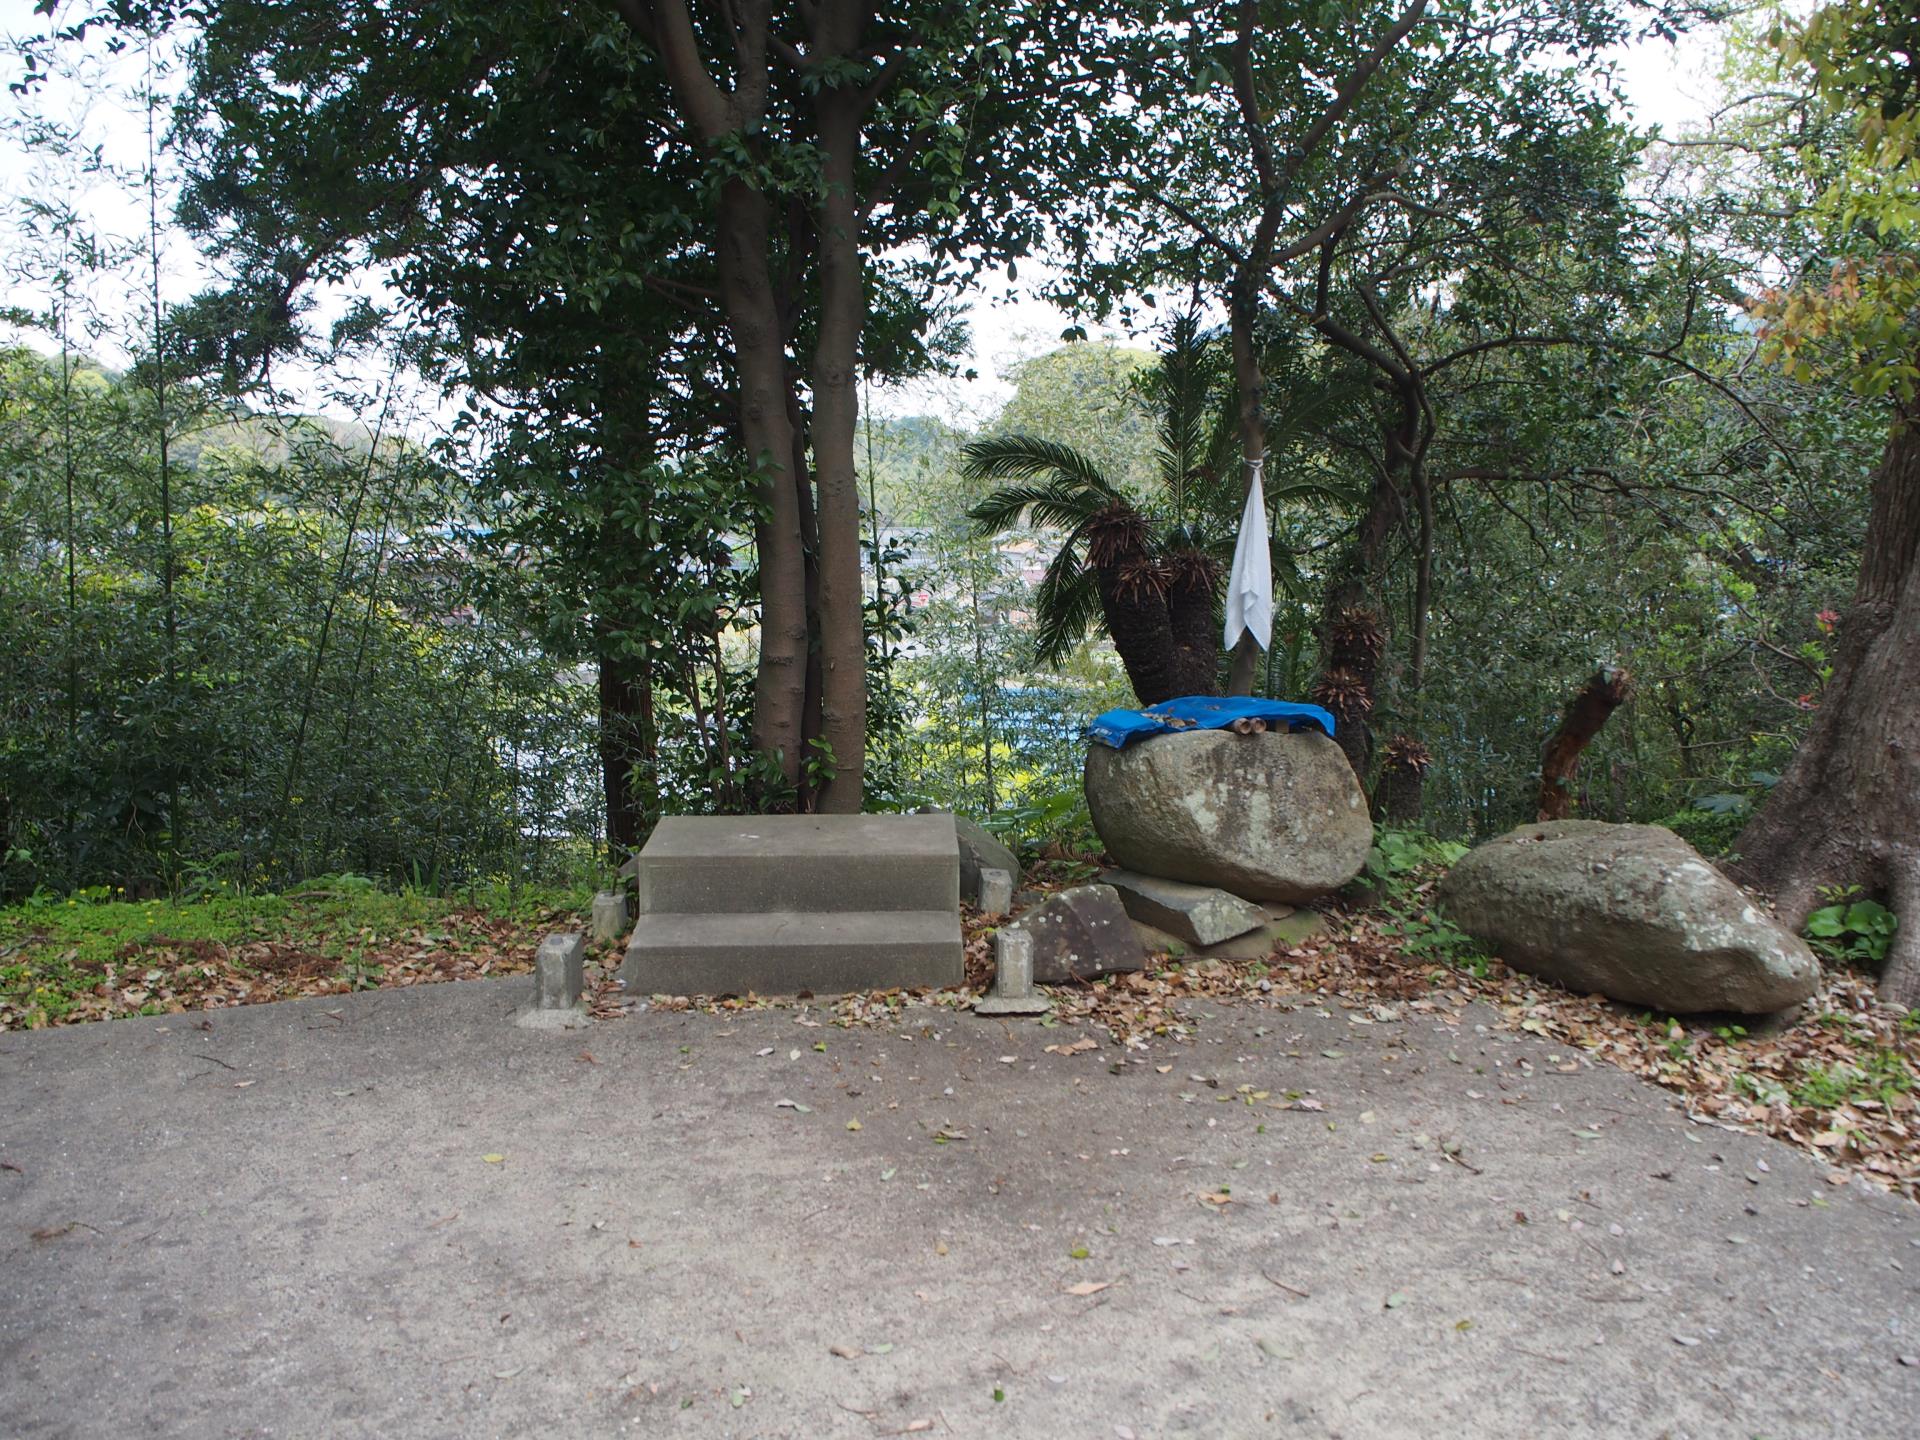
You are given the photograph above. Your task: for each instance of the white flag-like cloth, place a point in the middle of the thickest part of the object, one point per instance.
(1250, 586)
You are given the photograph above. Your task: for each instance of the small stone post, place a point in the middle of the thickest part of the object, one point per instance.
(558, 976)
(1013, 992)
(609, 917)
(996, 892)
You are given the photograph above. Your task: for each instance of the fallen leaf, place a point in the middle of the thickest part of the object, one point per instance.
(853, 1124)
(845, 1352)
(1088, 1287)
(493, 1159)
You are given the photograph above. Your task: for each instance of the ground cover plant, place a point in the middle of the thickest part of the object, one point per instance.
(102, 956)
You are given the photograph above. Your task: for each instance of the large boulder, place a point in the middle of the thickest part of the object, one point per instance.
(1080, 934)
(1274, 816)
(1631, 911)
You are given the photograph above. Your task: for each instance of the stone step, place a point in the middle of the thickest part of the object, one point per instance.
(784, 952)
(715, 865)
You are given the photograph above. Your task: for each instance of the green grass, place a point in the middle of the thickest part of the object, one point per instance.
(55, 951)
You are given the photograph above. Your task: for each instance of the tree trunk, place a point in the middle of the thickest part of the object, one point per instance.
(836, 409)
(627, 749)
(1584, 717)
(1192, 624)
(1399, 798)
(1135, 610)
(1847, 812)
(780, 686)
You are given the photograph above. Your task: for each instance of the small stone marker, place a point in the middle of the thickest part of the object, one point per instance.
(1013, 992)
(996, 892)
(558, 974)
(609, 917)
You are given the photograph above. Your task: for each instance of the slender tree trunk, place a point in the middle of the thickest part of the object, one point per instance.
(1586, 714)
(836, 411)
(989, 684)
(628, 748)
(780, 689)
(176, 824)
(1847, 811)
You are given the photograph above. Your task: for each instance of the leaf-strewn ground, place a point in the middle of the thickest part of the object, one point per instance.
(1840, 1078)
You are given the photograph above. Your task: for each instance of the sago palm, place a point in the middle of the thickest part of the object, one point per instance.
(1147, 576)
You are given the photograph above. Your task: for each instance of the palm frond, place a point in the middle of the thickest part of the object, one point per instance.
(1066, 605)
(1345, 495)
(1051, 503)
(1025, 457)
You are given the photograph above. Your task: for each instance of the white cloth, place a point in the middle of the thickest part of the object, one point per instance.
(1250, 586)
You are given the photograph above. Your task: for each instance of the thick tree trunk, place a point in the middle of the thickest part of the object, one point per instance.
(1191, 623)
(1586, 714)
(1847, 812)
(780, 686)
(1135, 610)
(843, 647)
(1353, 636)
(627, 750)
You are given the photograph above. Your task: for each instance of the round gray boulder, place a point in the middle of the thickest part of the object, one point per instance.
(1631, 911)
(1274, 816)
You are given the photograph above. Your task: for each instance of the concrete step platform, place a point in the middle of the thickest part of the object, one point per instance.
(712, 865)
(784, 952)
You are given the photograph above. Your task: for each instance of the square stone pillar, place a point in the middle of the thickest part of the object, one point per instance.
(559, 972)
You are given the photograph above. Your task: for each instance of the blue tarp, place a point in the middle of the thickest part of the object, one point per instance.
(1203, 712)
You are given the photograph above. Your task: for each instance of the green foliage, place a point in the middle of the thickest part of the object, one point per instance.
(1882, 1078)
(338, 701)
(1711, 832)
(1398, 853)
(1852, 931)
(55, 950)
(1403, 864)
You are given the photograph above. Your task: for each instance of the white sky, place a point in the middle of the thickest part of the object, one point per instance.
(1668, 85)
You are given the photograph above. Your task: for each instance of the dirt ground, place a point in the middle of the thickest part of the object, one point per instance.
(393, 1214)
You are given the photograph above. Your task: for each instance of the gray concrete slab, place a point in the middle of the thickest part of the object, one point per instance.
(288, 1223)
(708, 864)
(785, 953)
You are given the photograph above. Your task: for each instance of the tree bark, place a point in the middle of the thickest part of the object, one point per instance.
(1191, 624)
(1847, 811)
(627, 748)
(1586, 714)
(836, 410)
(753, 319)
(1135, 611)
(780, 685)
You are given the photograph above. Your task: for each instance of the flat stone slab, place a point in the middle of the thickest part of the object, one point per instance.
(393, 1215)
(714, 864)
(789, 953)
(1295, 928)
(1196, 914)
